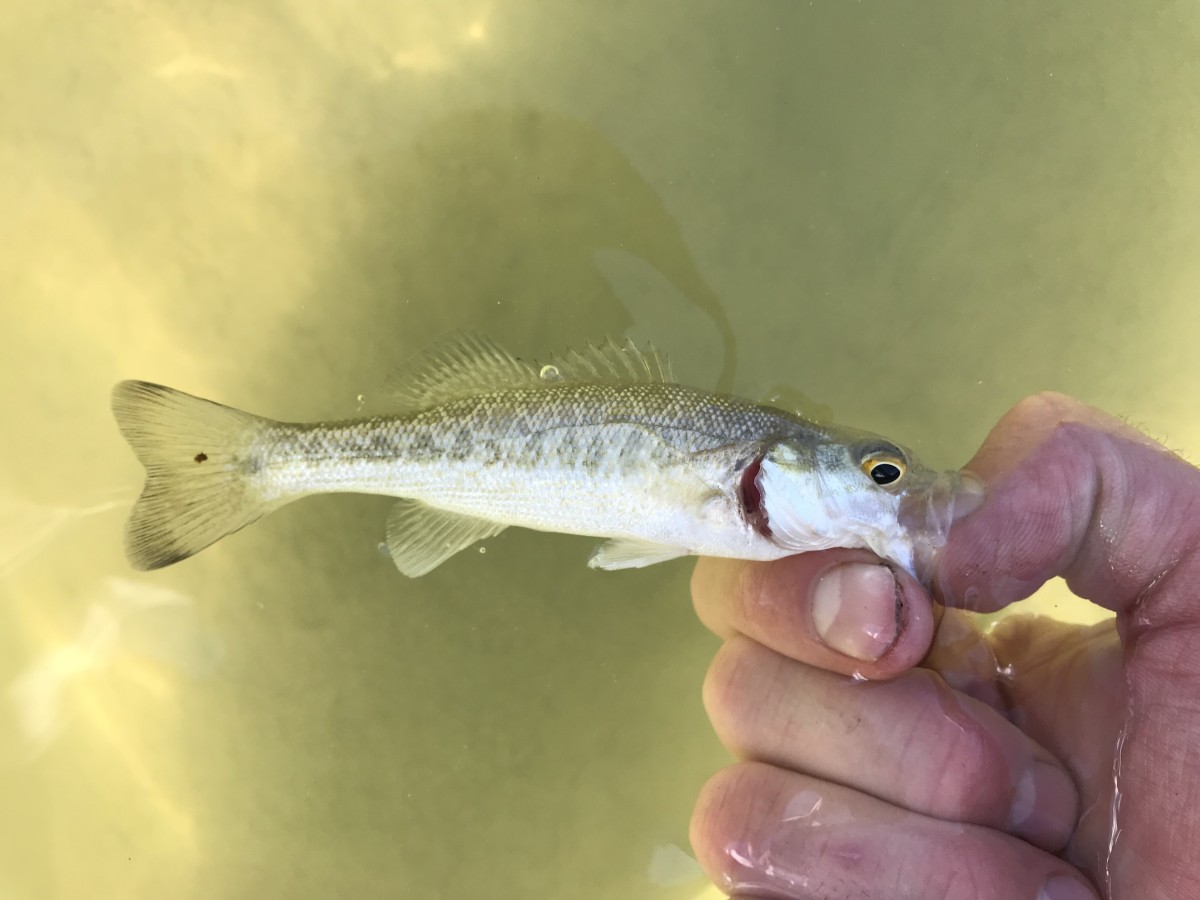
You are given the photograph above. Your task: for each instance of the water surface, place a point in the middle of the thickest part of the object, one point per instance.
(912, 215)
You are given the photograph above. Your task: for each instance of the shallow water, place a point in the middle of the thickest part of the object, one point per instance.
(912, 216)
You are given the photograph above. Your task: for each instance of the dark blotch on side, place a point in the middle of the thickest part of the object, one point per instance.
(464, 443)
(750, 495)
(200, 457)
(380, 445)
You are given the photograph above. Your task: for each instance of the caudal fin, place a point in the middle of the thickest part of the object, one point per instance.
(200, 467)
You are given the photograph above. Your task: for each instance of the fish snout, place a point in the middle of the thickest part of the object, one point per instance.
(927, 514)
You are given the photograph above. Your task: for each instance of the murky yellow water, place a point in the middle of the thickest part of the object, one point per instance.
(914, 214)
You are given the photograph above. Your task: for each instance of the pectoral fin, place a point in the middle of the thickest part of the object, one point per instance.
(421, 538)
(632, 553)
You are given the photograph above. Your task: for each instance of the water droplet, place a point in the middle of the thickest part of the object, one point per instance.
(550, 373)
(483, 549)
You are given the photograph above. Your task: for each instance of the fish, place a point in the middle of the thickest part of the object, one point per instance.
(601, 441)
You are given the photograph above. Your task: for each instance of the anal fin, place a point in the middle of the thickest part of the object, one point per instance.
(632, 553)
(421, 538)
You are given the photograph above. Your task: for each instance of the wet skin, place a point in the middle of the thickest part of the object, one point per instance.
(972, 766)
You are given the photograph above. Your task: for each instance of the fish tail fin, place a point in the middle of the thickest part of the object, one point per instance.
(201, 469)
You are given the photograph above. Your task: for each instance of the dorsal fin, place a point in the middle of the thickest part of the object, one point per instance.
(610, 361)
(457, 365)
(462, 363)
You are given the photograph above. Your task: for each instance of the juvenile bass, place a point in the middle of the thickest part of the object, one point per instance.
(600, 442)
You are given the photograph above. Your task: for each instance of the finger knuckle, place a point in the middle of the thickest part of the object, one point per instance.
(727, 809)
(969, 778)
(733, 689)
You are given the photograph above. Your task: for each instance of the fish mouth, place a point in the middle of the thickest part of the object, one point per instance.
(927, 512)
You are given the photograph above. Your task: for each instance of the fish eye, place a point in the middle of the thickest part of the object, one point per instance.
(884, 468)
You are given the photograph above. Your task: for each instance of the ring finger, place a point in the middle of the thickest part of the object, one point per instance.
(760, 831)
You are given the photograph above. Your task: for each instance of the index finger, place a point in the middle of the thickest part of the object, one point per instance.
(1077, 493)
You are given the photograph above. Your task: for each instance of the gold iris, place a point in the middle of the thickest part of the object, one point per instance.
(884, 468)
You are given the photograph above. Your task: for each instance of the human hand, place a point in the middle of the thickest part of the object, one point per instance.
(1037, 761)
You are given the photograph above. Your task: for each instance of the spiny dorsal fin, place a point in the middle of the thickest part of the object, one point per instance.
(462, 364)
(456, 365)
(610, 361)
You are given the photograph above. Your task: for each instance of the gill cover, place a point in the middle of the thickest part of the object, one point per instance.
(833, 495)
(811, 503)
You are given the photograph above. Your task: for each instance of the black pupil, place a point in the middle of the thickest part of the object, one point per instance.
(885, 472)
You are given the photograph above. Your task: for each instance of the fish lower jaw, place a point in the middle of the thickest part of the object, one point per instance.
(898, 552)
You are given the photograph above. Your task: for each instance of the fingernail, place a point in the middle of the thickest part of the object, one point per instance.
(855, 608)
(1044, 804)
(1063, 887)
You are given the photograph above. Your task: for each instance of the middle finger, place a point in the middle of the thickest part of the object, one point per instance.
(912, 741)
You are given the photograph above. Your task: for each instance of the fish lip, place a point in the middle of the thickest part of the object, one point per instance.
(928, 511)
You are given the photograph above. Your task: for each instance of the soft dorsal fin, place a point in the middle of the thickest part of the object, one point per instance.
(610, 361)
(462, 363)
(458, 365)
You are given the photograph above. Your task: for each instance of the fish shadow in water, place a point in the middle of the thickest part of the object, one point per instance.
(506, 222)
